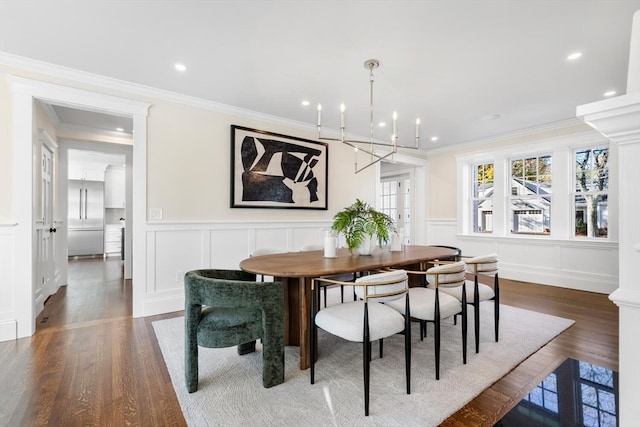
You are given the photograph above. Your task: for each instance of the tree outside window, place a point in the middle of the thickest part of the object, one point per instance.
(531, 190)
(591, 194)
(482, 198)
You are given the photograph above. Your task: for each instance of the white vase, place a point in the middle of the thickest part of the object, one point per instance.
(367, 246)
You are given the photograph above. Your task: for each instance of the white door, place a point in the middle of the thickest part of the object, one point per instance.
(45, 229)
(395, 200)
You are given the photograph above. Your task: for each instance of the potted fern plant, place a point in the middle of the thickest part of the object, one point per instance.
(362, 225)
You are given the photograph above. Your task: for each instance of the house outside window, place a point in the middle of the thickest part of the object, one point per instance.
(482, 178)
(530, 195)
(591, 193)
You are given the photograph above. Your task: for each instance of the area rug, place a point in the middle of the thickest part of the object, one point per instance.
(230, 391)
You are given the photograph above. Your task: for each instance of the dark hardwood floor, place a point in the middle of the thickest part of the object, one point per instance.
(91, 364)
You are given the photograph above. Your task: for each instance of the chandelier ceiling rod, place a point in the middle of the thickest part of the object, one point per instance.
(370, 64)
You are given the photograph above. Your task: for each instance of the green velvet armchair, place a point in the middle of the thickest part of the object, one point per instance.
(224, 308)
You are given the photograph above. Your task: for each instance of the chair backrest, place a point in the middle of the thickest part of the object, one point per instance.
(484, 264)
(227, 288)
(307, 248)
(382, 287)
(447, 275)
(456, 257)
(266, 251)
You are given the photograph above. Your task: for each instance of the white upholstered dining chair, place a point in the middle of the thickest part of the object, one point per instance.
(347, 277)
(429, 304)
(366, 320)
(265, 251)
(476, 292)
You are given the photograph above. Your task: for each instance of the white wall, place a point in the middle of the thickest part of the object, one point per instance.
(182, 160)
(558, 259)
(177, 247)
(186, 173)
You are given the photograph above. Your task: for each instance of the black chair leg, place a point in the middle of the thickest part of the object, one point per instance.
(366, 351)
(464, 323)
(496, 307)
(325, 296)
(407, 345)
(476, 313)
(436, 334)
(312, 335)
(381, 344)
(366, 347)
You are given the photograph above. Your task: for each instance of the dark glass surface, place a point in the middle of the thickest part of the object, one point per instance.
(575, 394)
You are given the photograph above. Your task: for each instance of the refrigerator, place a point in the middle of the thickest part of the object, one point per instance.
(85, 217)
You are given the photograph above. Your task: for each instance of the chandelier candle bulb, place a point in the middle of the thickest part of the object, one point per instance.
(391, 148)
(395, 118)
(417, 128)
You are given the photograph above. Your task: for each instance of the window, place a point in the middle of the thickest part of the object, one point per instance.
(530, 200)
(482, 205)
(395, 200)
(591, 192)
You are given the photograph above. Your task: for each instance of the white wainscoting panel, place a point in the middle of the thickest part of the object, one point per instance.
(8, 322)
(175, 248)
(576, 264)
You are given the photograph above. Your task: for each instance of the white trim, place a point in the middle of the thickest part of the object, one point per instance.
(474, 144)
(25, 91)
(145, 91)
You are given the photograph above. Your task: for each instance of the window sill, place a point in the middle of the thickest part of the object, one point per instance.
(541, 240)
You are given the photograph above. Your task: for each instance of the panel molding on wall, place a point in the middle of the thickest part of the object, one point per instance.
(178, 247)
(575, 264)
(8, 321)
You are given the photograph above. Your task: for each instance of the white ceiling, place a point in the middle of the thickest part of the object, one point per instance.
(453, 64)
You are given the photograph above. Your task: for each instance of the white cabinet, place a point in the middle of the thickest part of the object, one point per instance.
(114, 188)
(87, 173)
(112, 239)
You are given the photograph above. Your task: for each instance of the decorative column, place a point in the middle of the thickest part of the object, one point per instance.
(619, 120)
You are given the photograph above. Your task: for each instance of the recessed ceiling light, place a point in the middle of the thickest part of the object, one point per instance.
(610, 93)
(120, 129)
(434, 138)
(573, 56)
(492, 116)
(382, 124)
(180, 67)
(305, 103)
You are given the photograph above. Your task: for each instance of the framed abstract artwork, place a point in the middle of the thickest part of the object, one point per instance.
(269, 170)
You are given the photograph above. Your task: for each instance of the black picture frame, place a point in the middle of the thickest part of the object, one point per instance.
(270, 170)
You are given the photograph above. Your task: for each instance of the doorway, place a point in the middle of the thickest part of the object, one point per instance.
(25, 94)
(95, 282)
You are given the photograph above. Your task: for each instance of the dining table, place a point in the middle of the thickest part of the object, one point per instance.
(297, 269)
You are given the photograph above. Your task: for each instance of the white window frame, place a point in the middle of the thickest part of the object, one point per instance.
(562, 149)
(576, 193)
(473, 177)
(511, 197)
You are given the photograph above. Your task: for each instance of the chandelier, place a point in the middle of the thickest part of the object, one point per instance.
(359, 145)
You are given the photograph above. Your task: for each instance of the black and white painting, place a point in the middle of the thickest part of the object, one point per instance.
(269, 170)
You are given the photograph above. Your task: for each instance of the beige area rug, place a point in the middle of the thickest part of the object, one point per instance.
(230, 390)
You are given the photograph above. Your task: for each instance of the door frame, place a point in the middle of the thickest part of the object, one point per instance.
(25, 94)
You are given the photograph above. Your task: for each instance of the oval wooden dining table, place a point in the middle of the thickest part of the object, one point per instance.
(296, 269)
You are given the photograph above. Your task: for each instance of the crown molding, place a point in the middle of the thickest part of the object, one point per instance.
(110, 84)
(521, 133)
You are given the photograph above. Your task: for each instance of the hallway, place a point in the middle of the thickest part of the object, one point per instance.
(96, 291)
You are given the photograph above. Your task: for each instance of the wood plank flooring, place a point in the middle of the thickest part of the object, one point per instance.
(91, 364)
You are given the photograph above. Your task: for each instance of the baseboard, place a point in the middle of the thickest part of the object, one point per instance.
(161, 305)
(8, 330)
